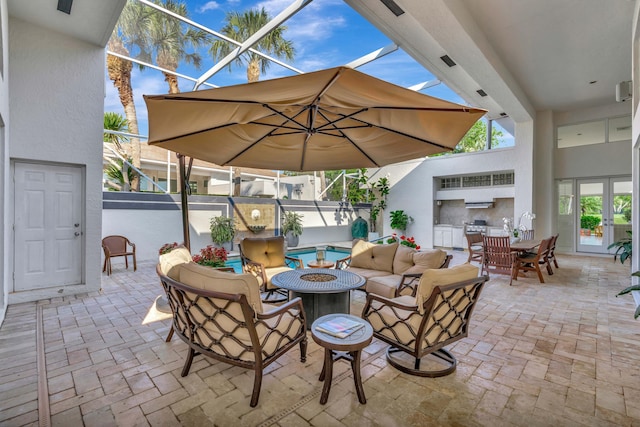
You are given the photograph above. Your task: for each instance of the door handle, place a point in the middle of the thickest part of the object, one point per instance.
(76, 234)
(76, 225)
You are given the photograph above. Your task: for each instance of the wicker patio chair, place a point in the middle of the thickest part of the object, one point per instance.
(220, 315)
(116, 246)
(418, 328)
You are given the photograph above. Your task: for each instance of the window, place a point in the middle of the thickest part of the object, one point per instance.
(476, 181)
(594, 132)
(450, 182)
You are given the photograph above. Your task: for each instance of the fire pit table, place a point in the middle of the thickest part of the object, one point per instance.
(322, 290)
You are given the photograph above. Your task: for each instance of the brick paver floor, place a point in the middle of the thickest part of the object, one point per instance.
(562, 353)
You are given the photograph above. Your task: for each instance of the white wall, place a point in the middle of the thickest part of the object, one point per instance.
(5, 249)
(412, 185)
(151, 224)
(57, 92)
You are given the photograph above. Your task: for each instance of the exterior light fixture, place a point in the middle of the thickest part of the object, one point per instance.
(65, 6)
(447, 60)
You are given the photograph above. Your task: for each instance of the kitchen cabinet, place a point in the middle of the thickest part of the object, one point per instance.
(457, 237)
(442, 236)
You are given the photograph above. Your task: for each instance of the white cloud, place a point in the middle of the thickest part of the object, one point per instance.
(210, 5)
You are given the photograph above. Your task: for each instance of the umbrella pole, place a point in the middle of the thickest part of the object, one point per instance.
(184, 192)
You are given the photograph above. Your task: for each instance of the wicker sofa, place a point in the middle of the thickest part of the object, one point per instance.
(391, 270)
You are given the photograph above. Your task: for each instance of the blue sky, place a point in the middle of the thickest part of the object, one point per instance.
(326, 33)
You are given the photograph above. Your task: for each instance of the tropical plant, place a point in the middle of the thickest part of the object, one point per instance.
(124, 37)
(627, 290)
(404, 240)
(115, 172)
(223, 229)
(117, 123)
(400, 220)
(167, 39)
(476, 139)
(239, 27)
(624, 248)
(167, 247)
(211, 257)
(378, 194)
(292, 223)
(589, 222)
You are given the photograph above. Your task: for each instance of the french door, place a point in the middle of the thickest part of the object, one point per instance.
(604, 213)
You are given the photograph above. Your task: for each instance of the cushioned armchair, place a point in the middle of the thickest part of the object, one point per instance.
(421, 326)
(220, 315)
(264, 258)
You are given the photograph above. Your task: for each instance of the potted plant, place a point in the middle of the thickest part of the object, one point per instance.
(223, 230)
(292, 227)
(400, 220)
(635, 291)
(624, 248)
(378, 203)
(211, 257)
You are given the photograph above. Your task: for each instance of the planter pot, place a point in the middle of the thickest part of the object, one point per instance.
(226, 245)
(585, 232)
(292, 240)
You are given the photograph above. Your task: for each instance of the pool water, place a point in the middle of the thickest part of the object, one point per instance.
(305, 254)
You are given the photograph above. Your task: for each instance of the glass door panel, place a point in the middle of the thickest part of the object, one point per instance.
(604, 214)
(591, 236)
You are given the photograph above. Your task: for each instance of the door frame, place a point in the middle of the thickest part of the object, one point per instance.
(83, 202)
(608, 230)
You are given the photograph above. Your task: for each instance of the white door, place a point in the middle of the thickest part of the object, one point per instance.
(48, 226)
(604, 213)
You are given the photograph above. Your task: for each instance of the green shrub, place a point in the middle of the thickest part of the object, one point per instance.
(589, 222)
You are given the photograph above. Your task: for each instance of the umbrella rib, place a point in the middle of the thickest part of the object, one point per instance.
(247, 149)
(367, 124)
(160, 141)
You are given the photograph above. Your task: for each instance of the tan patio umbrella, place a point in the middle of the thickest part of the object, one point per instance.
(332, 119)
(337, 118)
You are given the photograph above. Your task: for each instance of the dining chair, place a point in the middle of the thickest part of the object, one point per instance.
(115, 246)
(532, 261)
(474, 246)
(527, 234)
(552, 255)
(498, 256)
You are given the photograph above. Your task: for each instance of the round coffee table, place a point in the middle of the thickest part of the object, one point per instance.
(347, 348)
(322, 290)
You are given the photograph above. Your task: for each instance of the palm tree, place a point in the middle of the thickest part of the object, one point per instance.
(118, 170)
(117, 123)
(167, 39)
(127, 34)
(241, 26)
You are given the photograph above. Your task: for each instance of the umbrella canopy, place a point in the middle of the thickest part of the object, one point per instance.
(337, 118)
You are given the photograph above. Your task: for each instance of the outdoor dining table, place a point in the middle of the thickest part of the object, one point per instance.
(525, 245)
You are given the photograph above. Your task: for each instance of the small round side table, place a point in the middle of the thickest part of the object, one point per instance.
(321, 264)
(348, 348)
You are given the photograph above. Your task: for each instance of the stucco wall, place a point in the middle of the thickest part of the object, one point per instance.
(412, 185)
(57, 92)
(5, 274)
(151, 220)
